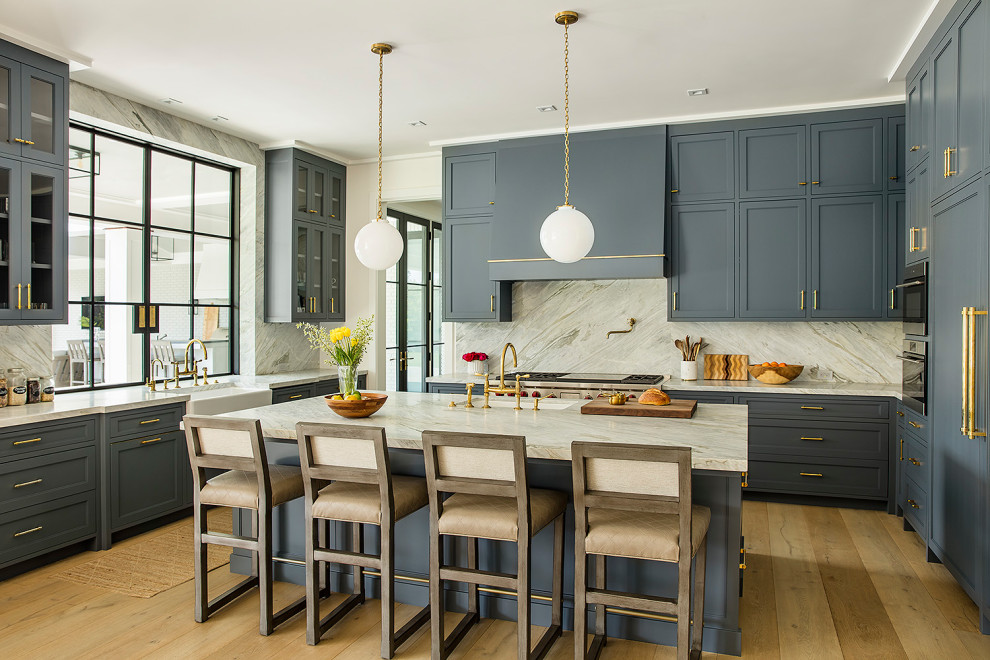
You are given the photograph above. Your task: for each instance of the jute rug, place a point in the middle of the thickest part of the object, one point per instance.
(152, 565)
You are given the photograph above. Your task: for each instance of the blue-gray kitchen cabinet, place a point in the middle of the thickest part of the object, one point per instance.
(773, 259)
(847, 157)
(847, 257)
(896, 153)
(469, 184)
(702, 167)
(34, 103)
(468, 293)
(773, 162)
(919, 115)
(919, 209)
(150, 478)
(703, 283)
(895, 233)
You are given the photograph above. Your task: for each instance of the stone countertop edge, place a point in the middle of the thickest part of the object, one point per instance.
(806, 387)
(94, 402)
(718, 434)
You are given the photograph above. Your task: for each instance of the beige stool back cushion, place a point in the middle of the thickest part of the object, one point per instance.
(631, 477)
(473, 463)
(225, 442)
(343, 452)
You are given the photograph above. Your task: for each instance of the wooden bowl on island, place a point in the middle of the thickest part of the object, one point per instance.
(366, 406)
(776, 375)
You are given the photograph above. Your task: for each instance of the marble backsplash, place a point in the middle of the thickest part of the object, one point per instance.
(561, 326)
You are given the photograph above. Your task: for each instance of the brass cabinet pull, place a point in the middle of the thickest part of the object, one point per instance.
(296, 396)
(675, 190)
(815, 183)
(892, 298)
(914, 247)
(968, 426)
(312, 211)
(945, 163)
(915, 425)
(742, 559)
(893, 178)
(29, 295)
(18, 296)
(745, 480)
(150, 421)
(816, 439)
(491, 202)
(675, 301)
(802, 299)
(901, 453)
(27, 483)
(965, 368)
(812, 408)
(23, 141)
(900, 414)
(802, 183)
(333, 308)
(493, 303)
(914, 461)
(915, 148)
(948, 162)
(148, 442)
(26, 442)
(914, 504)
(28, 531)
(815, 296)
(810, 474)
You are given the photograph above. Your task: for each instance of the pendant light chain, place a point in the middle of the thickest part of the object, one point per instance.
(567, 125)
(381, 75)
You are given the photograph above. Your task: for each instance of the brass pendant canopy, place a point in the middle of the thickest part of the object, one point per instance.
(381, 49)
(566, 17)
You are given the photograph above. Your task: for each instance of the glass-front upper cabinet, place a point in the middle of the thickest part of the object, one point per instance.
(32, 112)
(310, 241)
(43, 238)
(10, 93)
(310, 192)
(336, 198)
(335, 278)
(9, 232)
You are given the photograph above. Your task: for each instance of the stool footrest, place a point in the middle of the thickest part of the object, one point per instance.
(231, 594)
(230, 540)
(459, 631)
(405, 632)
(289, 611)
(339, 612)
(350, 558)
(657, 604)
(476, 576)
(597, 644)
(546, 641)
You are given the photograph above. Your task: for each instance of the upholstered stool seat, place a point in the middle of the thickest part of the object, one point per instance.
(642, 535)
(239, 488)
(488, 517)
(362, 503)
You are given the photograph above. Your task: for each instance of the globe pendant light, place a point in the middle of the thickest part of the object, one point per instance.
(567, 234)
(378, 244)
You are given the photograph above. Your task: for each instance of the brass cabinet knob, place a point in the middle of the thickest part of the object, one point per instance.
(915, 148)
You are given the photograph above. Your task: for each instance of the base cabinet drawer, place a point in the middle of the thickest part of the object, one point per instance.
(914, 461)
(149, 477)
(31, 481)
(866, 479)
(831, 439)
(284, 394)
(797, 407)
(42, 437)
(914, 503)
(38, 529)
(702, 397)
(145, 421)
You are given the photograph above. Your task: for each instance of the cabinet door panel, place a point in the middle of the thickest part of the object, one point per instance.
(916, 238)
(468, 292)
(43, 243)
(10, 237)
(896, 153)
(703, 240)
(967, 159)
(919, 100)
(335, 205)
(469, 185)
(301, 190)
(896, 232)
(773, 162)
(147, 476)
(335, 275)
(43, 112)
(319, 274)
(945, 67)
(773, 259)
(847, 156)
(10, 101)
(847, 257)
(702, 167)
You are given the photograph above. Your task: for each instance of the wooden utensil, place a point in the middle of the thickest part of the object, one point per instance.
(677, 409)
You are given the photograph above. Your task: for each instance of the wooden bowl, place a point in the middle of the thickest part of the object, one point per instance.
(366, 407)
(776, 375)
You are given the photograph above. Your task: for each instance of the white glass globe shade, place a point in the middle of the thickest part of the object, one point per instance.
(378, 245)
(567, 235)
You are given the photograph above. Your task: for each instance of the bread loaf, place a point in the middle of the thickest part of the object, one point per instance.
(654, 397)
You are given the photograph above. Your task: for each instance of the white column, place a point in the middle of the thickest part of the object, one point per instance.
(124, 269)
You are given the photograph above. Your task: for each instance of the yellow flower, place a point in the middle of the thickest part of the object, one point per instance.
(346, 331)
(354, 342)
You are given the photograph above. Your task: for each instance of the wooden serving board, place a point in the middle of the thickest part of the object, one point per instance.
(726, 367)
(677, 408)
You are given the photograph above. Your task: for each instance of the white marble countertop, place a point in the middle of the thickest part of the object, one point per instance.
(717, 434)
(95, 402)
(807, 387)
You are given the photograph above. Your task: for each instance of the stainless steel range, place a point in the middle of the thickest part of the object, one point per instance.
(562, 385)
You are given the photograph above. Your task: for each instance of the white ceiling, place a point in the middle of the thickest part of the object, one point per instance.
(302, 69)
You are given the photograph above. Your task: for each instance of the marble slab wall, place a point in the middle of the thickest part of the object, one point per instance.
(561, 326)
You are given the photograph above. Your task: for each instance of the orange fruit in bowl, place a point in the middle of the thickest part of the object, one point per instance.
(774, 364)
(782, 364)
(765, 364)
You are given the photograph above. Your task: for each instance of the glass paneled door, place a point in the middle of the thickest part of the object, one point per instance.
(413, 341)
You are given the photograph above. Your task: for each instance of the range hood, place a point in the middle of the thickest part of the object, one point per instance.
(618, 178)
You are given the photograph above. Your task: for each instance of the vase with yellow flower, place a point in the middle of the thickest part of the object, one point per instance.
(342, 348)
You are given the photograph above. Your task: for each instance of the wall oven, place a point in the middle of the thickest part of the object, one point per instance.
(914, 292)
(914, 374)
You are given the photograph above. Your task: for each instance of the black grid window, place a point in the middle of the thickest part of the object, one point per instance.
(152, 237)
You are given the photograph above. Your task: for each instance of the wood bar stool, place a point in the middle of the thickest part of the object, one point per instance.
(485, 476)
(635, 501)
(236, 445)
(363, 491)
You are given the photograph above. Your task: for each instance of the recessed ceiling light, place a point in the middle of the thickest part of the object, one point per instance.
(418, 122)
(170, 101)
(219, 118)
(698, 92)
(547, 108)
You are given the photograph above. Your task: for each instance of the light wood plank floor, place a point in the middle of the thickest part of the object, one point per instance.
(820, 583)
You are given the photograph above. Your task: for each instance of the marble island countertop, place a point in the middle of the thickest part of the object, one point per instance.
(95, 402)
(717, 434)
(806, 387)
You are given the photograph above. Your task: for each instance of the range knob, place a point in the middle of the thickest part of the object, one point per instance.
(587, 396)
(524, 394)
(631, 396)
(536, 394)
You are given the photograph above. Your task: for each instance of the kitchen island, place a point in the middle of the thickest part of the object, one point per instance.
(717, 435)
